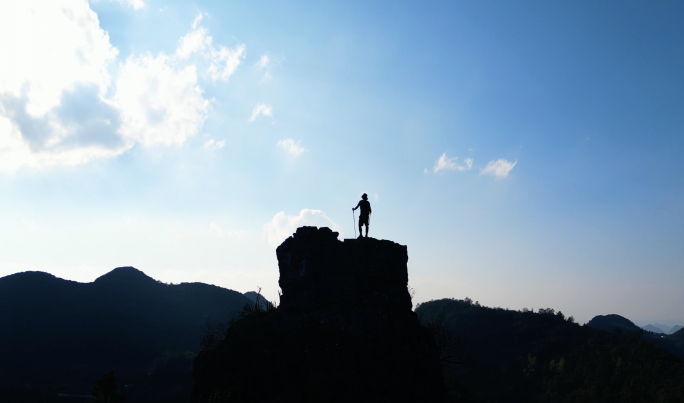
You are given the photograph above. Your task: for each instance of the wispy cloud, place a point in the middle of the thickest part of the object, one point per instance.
(197, 20)
(218, 232)
(261, 109)
(291, 147)
(499, 168)
(223, 61)
(282, 226)
(263, 62)
(231, 59)
(449, 164)
(214, 145)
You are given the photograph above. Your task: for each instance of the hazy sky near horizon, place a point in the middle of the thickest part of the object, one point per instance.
(528, 153)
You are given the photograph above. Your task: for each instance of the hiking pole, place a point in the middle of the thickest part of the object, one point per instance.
(354, 218)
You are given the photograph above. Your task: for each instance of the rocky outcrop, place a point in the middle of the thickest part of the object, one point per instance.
(359, 285)
(344, 331)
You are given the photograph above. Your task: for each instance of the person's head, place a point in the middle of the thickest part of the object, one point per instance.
(364, 196)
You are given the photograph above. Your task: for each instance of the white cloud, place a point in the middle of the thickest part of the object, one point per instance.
(214, 145)
(136, 4)
(445, 163)
(376, 197)
(282, 226)
(79, 54)
(291, 147)
(261, 109)
(54, 107)
(160, 104)
(499, 168)
(196, 41)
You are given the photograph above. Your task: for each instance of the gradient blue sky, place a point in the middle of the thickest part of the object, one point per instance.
(528, 153)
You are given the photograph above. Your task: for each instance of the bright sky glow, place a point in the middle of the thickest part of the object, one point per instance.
(529, 155)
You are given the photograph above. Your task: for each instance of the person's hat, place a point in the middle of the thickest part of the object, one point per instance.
(364, 196)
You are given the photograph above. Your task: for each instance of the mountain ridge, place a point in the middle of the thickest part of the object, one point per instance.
(62, 332)
(612, 321)
(124, 274)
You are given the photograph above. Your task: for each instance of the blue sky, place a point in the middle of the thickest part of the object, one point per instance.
(528, 153)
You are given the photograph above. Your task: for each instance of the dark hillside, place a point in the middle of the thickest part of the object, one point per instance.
(618, 324)
(61, 335)
(678, 335)
(611, 322)
(677, 338)
(523, 356)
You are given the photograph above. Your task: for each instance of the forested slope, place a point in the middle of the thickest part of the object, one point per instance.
(523, 356)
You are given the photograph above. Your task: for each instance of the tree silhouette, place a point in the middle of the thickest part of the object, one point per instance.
(106, 389)
(451, 347)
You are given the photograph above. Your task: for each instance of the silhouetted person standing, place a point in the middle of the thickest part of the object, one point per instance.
(365, 213)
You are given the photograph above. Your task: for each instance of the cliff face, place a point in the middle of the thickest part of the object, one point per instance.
(318, 271)
(344, 331)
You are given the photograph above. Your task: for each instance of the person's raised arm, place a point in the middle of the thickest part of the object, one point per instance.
(357, 206)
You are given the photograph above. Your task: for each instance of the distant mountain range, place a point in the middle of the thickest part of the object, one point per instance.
(658, 328)
(654, 329)
(58, 336)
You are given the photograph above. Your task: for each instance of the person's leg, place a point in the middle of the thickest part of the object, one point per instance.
(366, 230)
(360, 229)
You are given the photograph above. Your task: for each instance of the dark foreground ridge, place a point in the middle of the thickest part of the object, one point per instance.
(344, 331)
